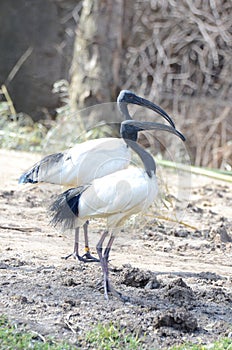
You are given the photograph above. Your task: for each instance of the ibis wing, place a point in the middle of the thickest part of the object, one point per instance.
(81, 164)
(124, 191)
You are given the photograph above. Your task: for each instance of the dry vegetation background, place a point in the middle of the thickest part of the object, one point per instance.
(181, 51)
(178, 54)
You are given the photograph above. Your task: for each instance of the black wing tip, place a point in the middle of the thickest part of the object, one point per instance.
(26, 179)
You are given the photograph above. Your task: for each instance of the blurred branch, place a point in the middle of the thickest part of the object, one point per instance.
(18, 65)
(214, 174)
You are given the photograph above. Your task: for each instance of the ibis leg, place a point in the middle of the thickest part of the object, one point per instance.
(75, 253)
(87, 257)
(104, 258)
(104, 264)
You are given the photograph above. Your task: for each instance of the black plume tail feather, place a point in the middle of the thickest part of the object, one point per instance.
(64, 210)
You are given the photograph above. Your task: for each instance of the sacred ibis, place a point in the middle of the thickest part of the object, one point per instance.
(116, 196)
(92, 159)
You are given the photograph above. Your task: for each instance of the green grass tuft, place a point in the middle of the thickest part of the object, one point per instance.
(102, 337)
(13, 338)
(222, 344)
(107, 337)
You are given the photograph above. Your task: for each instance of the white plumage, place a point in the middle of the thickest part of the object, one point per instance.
(89, 160)
(115, 197)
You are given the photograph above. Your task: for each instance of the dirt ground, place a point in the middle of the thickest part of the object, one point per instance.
(179, 278)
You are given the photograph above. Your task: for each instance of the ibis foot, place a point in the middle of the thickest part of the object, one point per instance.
(119, 295)
(126, 298)
(86, 258)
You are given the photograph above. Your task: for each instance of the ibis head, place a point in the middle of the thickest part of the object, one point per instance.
(129, 132)
(126, 96)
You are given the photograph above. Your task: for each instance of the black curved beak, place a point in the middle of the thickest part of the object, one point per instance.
(150, 105)
(130, 128)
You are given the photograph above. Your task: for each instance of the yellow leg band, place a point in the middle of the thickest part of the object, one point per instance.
(87, 249)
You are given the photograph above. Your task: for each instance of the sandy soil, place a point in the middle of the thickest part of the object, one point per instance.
(179, 278)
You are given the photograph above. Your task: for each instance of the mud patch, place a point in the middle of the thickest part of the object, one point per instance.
(178, 319)
(137, 278)
(179, 293)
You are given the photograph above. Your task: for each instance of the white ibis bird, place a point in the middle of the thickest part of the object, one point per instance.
(92, 159)
(115, 196)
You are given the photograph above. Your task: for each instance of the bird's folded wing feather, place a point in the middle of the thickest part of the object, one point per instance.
(119, 192)
(80, 164)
